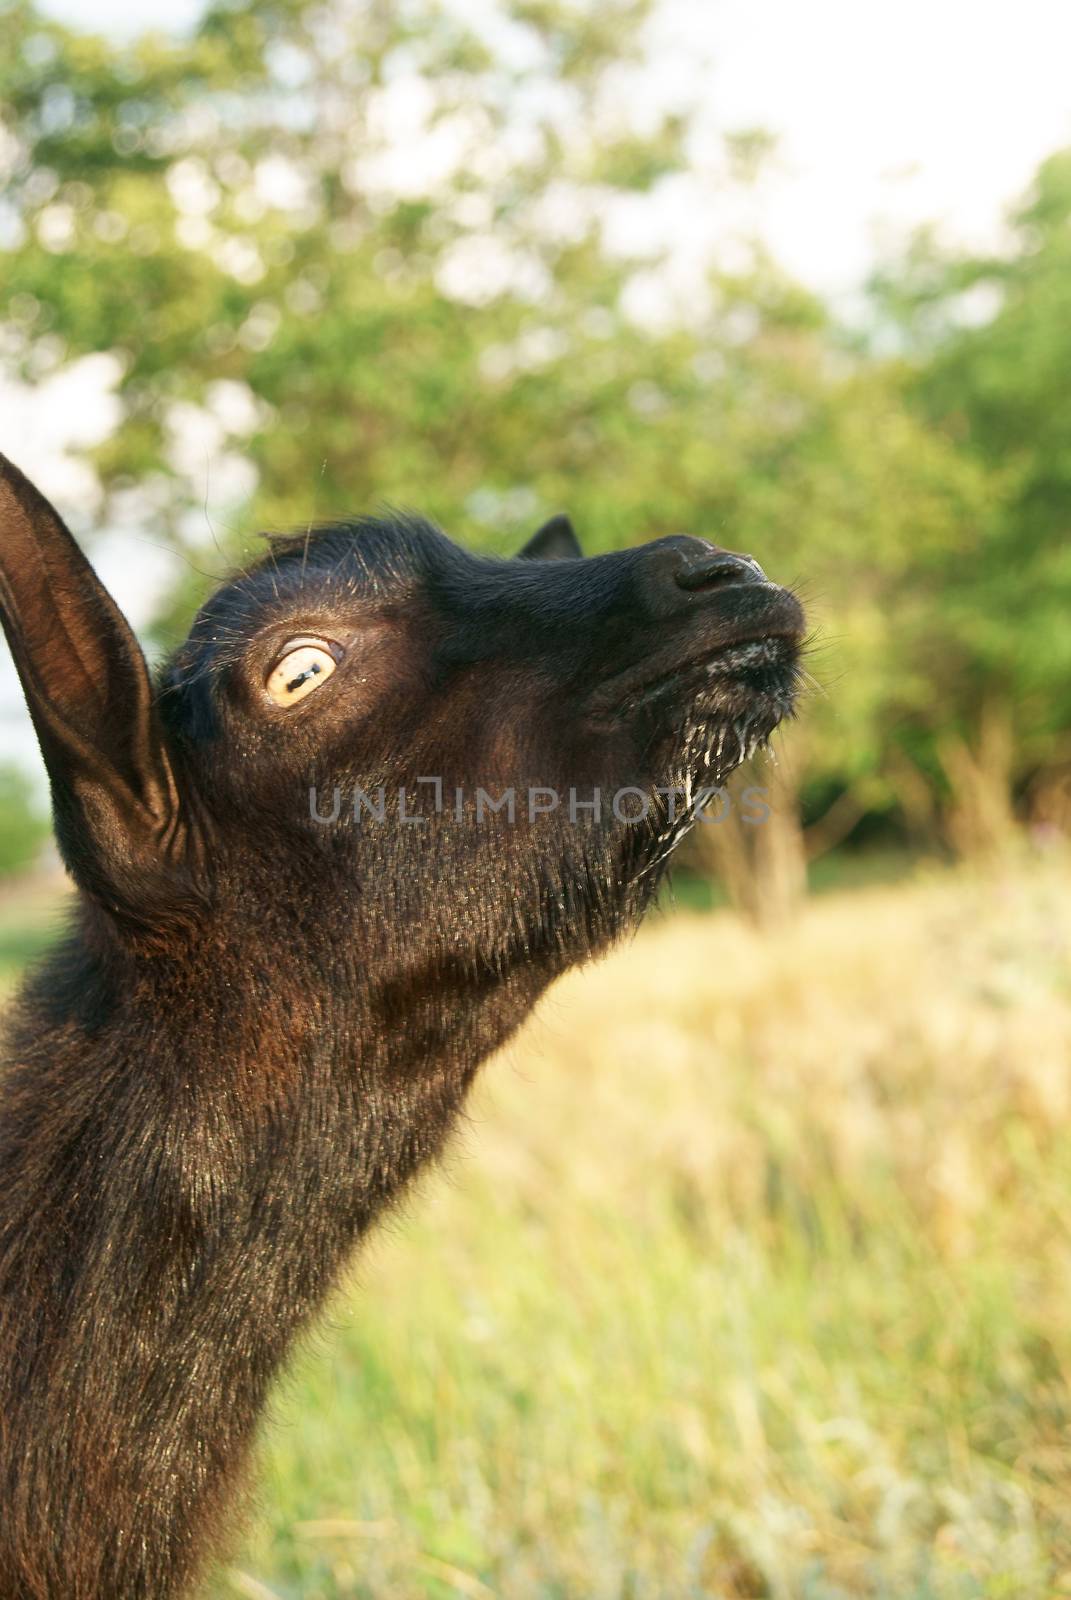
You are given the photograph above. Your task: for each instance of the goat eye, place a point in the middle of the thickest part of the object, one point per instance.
(296, 674)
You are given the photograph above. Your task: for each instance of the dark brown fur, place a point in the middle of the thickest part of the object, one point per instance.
(259, 1027)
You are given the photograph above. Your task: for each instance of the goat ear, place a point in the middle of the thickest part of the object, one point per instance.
(556, 540)
(90, 698)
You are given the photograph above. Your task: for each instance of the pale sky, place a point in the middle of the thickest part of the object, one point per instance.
(887, 117)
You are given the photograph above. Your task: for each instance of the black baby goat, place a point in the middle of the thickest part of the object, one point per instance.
(276, 989)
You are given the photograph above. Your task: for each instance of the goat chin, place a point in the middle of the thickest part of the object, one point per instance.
(266, 1011)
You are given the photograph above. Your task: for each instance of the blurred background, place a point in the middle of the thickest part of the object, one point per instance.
(752, 1274)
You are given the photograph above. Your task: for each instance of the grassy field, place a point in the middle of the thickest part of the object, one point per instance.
(751, 1276)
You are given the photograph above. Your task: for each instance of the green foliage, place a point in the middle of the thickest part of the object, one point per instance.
(990, 344)
(368, 244)
(25, 824)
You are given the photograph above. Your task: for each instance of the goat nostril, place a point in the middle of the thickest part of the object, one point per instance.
(719, 570)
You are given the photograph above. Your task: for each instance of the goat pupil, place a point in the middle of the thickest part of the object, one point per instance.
(309, 672)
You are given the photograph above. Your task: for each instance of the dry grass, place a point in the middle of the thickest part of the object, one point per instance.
(751, 1277)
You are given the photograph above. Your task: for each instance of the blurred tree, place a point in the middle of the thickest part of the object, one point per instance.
(872, 510)
(355, 233)
(25, 826)
(989, 345)
(345, 252)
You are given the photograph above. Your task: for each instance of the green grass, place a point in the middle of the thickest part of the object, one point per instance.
(751, 1276)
